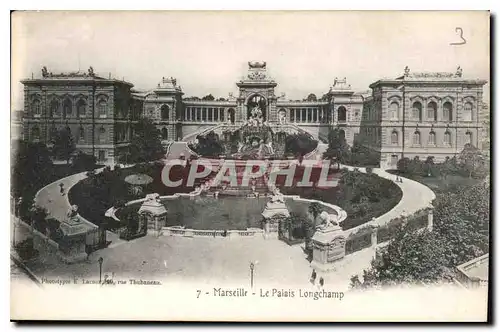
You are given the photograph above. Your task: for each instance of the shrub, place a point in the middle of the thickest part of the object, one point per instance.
(25, 249)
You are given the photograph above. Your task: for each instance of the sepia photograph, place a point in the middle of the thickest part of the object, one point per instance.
(250, 166)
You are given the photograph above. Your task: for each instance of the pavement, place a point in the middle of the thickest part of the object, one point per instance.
(218, 261)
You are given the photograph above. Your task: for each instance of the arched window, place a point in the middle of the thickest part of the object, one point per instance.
(102, 108)
(67, 108)
(416, 138)
(394, 110)
(417, 111)
(36, 108)
(81, 108)
(468, 138)
(342, 114)
(81, 133)
(432, 138)
(447, 138)
(164, 134)
(35, 133)
(432, 111)
(102, 135)
(467, 115)
(447, 111)
(394, 138)
(165, 112)
(54, 108)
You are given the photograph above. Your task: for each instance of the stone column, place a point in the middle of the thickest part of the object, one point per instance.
(430, 218)
(374, 236)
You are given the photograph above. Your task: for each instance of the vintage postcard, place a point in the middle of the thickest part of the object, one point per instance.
(250, 166)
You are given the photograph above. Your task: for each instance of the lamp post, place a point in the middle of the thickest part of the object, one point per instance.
(252, 268)
(100, 260)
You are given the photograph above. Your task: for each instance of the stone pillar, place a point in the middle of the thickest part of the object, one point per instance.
(374, 237)
(328, 247)
(430, 218)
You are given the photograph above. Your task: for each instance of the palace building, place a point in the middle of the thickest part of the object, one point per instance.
(416, 114)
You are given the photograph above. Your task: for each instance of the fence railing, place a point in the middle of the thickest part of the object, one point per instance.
(373, 236)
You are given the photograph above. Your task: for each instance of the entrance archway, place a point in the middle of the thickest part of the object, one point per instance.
(256, 107)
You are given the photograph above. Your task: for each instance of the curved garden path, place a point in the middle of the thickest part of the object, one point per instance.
(415, 196)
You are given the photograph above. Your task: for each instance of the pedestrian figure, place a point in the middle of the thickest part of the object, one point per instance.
(313, 276)
(61, 190)
(321, 282)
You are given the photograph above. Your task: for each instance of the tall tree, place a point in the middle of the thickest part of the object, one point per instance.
(32, 167)
(311, 97)
(145, 145)
(64, 144)
(338, 149)
(411, 257)
(208, 97)
(472, 160)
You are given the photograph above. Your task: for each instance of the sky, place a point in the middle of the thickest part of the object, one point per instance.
(208, 51)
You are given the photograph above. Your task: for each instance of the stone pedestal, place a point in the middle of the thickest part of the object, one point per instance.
(430, 218)
(328, 247)
(274, 211)
(72, 247)
(152, 215)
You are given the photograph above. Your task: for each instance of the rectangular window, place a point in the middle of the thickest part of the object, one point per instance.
(102, 155)
(210, 114)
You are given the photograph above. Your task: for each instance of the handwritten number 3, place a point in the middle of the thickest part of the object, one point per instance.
(461, 33)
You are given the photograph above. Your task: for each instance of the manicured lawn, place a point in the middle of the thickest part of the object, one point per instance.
(367, 197)
(441, 184)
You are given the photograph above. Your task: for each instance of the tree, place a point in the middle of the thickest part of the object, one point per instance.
(32, 168)
(309, 227)
(208, 97)
(416, 257)
(84, 162)
(299, 144)
(462, 218)
(315, 209)
(461, 233)
(429, 168)
(311, 97)
(404, 165)
(361, 155)
(472, 160)
(64, 144)
(338, 149)
(145, 145)
(209, 145)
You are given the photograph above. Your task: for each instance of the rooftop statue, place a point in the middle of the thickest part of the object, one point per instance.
(257, 64)
(407, 71)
